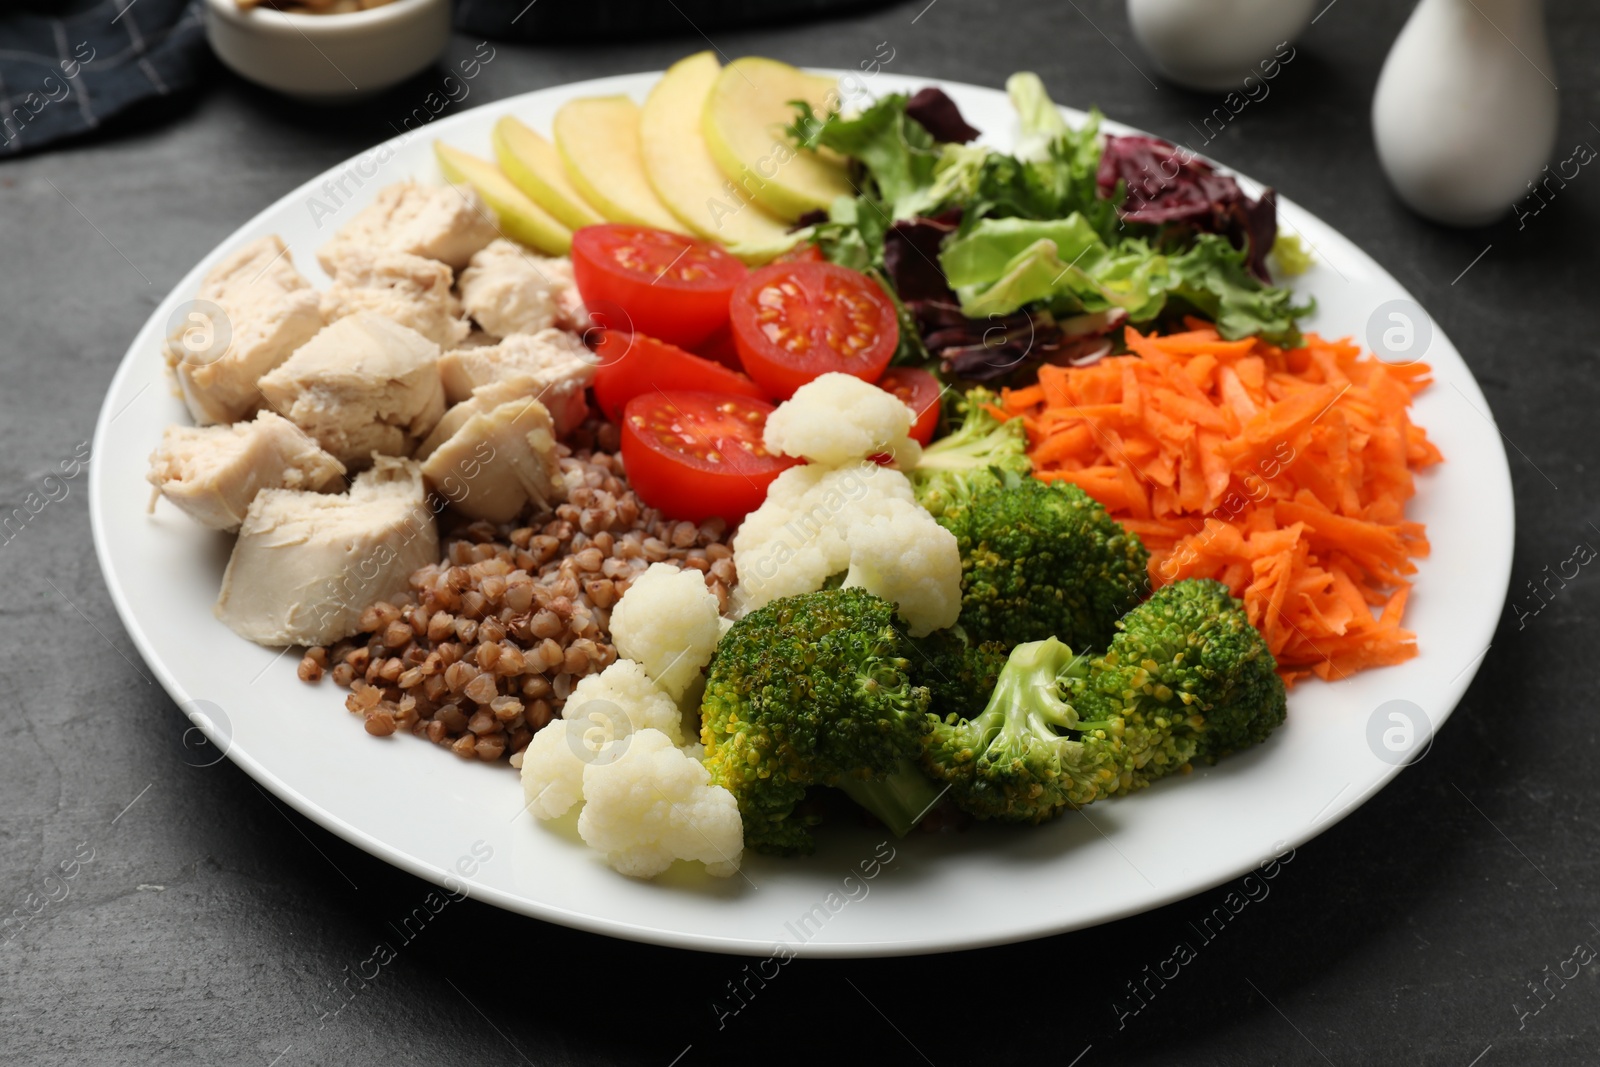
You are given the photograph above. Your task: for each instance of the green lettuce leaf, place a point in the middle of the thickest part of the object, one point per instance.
(1042, 124)
(1003, 264)
(1213, 277)
(900, 156)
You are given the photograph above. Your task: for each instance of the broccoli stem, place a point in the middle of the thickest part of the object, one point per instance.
(899, 801)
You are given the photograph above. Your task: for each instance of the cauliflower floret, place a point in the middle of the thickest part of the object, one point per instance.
(838, 419)
(655, 804)
(668, 621)
(622, 699)
(913, 561)
(808, 528)
(552, 767)
(603, 709)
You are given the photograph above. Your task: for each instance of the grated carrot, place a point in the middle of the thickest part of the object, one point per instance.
(1282, 472)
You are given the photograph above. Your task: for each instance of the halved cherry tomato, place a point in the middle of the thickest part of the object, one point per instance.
(796, 321)
(631, 364)
(720, 347)
(671, 287)
(697, 455)
(802, 253)
(921, 392)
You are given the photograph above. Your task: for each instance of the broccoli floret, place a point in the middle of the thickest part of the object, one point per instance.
(960, 676)
(959, 673)
(809, 690)
(972, 456)
(1043, 560)
(900, 799)
(1186, 676)
(1028, 755)
(1190, 655)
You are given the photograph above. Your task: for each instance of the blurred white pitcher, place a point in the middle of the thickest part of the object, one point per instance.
(1465, 112)
(1214, 45)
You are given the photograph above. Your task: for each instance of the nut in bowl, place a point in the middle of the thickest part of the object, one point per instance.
(325, 52)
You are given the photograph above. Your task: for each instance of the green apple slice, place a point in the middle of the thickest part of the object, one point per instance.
(743, 124)
(519, 218)
(680, 167)
(598, 137)
(534, 166)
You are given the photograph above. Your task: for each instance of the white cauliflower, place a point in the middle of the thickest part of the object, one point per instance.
(603, 709)
(863, 519)
(623, 700)
(655, 804)
(838, 419)
(552, 767)
(668, 621)
(911, 560)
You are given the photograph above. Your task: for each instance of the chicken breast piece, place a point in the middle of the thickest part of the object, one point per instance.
(553, 365)
(407, 289)
(570, 311)
(306, 565)
(444, 222)
(499, 462)
(270, 311)
(214, 472)
(364, 384)
(478, 339)
(486, 398)
(507, 289)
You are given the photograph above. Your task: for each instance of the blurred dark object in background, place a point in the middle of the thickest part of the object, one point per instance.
(544, 20)
(68, 67)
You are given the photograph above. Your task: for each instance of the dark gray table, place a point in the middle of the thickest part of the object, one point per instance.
(213, 926)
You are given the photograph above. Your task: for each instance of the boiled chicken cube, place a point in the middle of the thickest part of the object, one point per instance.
(268, 311)
(553, 365)
(306, 565)
(507, 289)
(407, 289)
(498, 462)
(363, 385)
(570, 311)
(444, 222)
(214, 472)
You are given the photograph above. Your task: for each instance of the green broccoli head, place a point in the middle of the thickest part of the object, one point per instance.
(1027, 755)
(972, 456)
(809, 690)
(959, 674)
(1043, 560)
(1190, 656)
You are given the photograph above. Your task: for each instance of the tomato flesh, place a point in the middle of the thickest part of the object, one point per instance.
(720, 348)
(919, 391)
(795, 321)
(803, 253)
(631, 364)
(670, 287)
(695, 455)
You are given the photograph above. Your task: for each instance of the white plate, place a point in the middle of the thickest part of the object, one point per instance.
(424, 810)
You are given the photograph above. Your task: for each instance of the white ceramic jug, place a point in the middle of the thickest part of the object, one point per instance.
(1214, 45)
(1465, 112)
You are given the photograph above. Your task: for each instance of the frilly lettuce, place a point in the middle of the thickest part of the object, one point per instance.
(1040, 121)
(1037, 229)
(1001, 265)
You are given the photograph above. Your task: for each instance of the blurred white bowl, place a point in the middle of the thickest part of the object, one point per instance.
(1213, 45)
(329, 58)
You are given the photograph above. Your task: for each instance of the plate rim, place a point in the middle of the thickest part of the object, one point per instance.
(598, 924)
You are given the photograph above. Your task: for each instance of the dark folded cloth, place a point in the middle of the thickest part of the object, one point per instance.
(64, 73)
(61, 75)
(522, 20)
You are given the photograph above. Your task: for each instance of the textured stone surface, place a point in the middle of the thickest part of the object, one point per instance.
(212, 927)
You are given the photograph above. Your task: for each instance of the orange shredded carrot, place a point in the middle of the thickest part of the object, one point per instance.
(1282, 472)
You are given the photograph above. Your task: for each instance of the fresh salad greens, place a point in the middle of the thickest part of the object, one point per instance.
(1074, 232)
